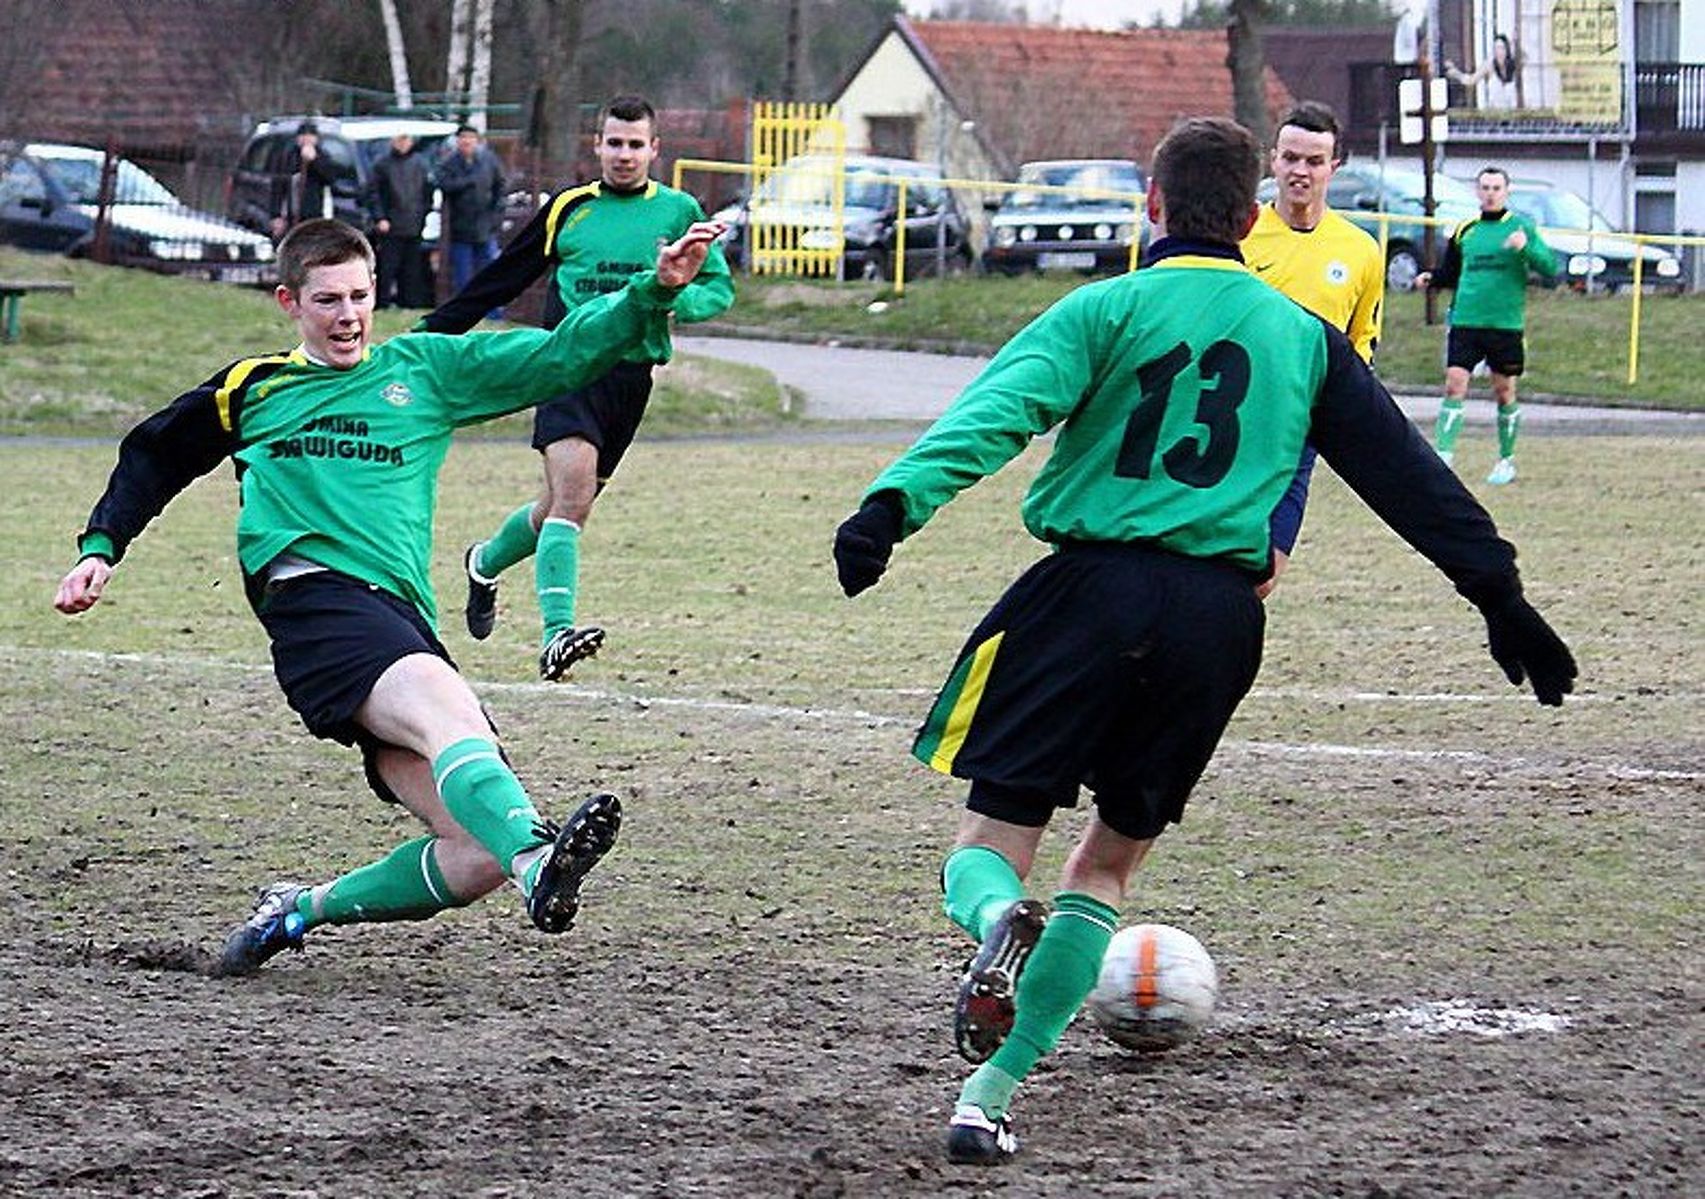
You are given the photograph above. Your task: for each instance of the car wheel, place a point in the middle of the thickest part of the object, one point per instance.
(875, 267)
(1401, 267)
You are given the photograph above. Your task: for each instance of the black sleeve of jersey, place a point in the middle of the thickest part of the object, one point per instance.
(502, 279)
(1449, 271)
(159, 458)
(1362, 433)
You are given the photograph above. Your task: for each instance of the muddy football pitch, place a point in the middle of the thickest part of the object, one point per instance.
(1457, 933)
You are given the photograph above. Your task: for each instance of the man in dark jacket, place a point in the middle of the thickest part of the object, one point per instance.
(472, 181)
(401, 198)
(302, 190)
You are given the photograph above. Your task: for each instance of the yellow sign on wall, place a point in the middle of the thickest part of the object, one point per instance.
(1586, 46)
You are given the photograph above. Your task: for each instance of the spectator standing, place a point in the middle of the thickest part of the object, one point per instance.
(1487, 261)
(472, 181)
(303, 189)
(400, 199)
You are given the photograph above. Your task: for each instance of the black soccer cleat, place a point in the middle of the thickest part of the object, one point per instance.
(481, 610)
(565, 648)
(984, 1011)
(975, 1139)
(576, 847)
(274, 927)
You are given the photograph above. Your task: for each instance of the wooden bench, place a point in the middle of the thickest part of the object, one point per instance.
(12, 293)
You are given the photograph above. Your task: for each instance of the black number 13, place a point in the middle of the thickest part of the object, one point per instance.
(1196, 460)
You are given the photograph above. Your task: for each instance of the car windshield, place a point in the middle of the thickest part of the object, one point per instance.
(810, 183)
(1086, 176)
(1558, 209)
(81, 179)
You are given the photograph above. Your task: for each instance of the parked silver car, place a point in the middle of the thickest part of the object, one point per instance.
(1588, 246)
(50, 198)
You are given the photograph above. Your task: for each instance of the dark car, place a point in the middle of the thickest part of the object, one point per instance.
(350, 144)
(1587, 245)
(50, 200)
(1089, 228)
(794, 209)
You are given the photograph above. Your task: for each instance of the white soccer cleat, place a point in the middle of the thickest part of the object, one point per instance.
(1503, 472)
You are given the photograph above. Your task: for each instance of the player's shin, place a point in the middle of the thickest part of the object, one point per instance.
(1059, 977)
(557, 571)
(406, 884)
(483, 795)
(977, 885)
(513, 542)
(1509, 425)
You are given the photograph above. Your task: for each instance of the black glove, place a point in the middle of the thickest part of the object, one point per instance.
(1525, 646)
(864, 542)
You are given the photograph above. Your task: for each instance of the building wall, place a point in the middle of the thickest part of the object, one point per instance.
(894, 83)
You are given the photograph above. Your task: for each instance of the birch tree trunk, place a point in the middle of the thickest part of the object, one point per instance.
(479, 74)
(399, 56)
(456, 66)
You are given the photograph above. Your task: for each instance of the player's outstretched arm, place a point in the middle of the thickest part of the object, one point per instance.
(81, 589)
(680, 260)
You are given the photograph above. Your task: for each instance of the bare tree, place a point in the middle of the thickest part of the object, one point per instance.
(555, 29)
(1247, 61)
(479, 71)
(399, 55)
(456, 63)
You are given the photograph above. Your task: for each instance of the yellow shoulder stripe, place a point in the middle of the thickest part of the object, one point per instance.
(234, 380)
(559, 206)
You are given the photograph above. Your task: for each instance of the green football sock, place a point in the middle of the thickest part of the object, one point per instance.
(1449, 425)
(557, 571)
(483, 796)
(1057, 979)
(977, 885)
(406, 884)
(1509, 424)
(513, 542)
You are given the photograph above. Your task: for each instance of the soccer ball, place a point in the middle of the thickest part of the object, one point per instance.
(1157, 988)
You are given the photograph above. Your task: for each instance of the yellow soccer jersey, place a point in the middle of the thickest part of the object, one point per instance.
(1333, 270)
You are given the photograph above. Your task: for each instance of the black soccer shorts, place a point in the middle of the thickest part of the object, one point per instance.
(1502, 350)
(1109, 666)
(606, 412)
(332, 637)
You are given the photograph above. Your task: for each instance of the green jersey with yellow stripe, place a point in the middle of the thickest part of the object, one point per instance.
(592, 240)
(340, 467)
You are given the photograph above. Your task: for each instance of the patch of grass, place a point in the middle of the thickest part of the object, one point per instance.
(128, 342)
(1577, 346)
(727, 702)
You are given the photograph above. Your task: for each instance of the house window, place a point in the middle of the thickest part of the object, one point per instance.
(1657, 31)
(892, 137)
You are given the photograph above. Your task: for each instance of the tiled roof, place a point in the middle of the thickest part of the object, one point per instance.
(1043, 92)
(150, 75)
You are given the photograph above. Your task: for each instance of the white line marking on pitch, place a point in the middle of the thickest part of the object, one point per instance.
(575, 693)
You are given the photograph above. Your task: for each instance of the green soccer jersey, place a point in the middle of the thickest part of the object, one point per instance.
(1182, 394)
(1490, 278)
(340, 466)
(591, 240)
